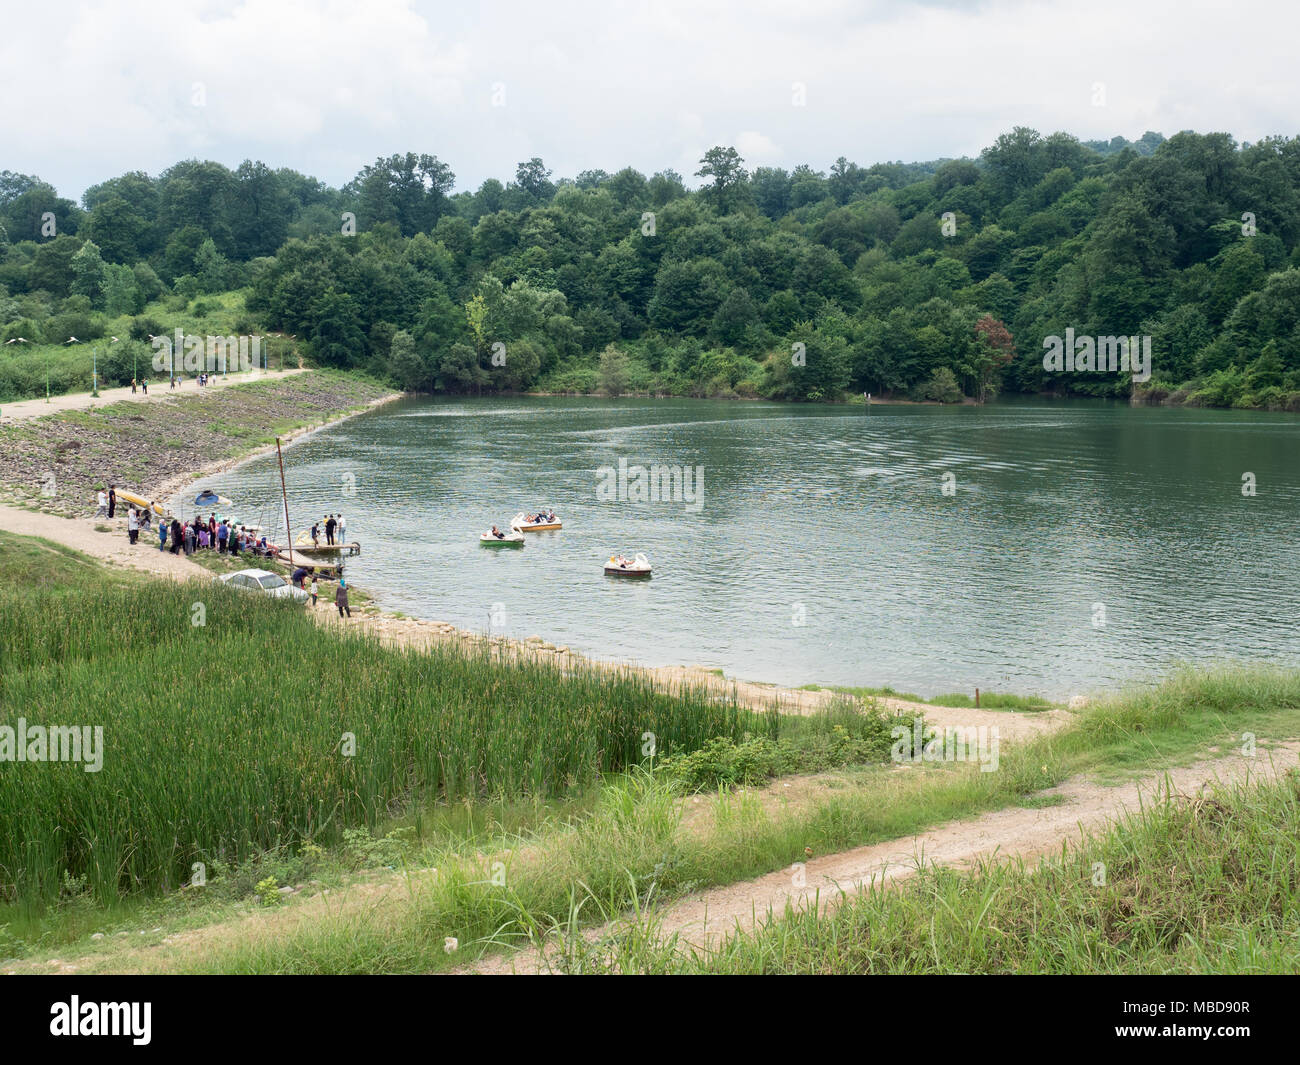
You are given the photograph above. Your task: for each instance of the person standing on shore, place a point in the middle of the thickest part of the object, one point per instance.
(112, 499)
(102, 510)
(222, 533)
(162, 535)
(189, 539)
(315, 589)
(329, 529)
(144, 384)
(341, 598)
(177, 537)
(343, 531)
(132, 525)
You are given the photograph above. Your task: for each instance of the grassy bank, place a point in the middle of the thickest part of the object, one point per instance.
(1204, 885)
(643, 846)
(138, 446)
(513, 792)
(26, 369)
(234, 724)
(987, 700)
(634, 843)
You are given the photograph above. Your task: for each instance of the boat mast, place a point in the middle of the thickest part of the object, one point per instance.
(288, 529)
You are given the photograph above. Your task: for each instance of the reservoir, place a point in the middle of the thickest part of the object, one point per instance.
(1027, 546)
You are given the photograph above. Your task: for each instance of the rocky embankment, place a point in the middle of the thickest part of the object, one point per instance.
(58, 463)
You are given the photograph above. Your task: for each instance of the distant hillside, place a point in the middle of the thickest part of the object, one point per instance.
(922, 279)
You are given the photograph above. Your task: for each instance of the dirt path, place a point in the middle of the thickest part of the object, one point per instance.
(37, 408)
(111, 547)
(703, 920)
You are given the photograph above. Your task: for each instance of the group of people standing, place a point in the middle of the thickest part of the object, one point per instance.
(335, 531)
(143, 383)
(202, 534)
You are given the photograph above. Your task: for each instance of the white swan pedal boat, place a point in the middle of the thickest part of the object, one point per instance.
(638, 566)
(514, 538)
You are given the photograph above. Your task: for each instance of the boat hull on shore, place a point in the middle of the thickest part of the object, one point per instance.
(131, 499)
(328, 570)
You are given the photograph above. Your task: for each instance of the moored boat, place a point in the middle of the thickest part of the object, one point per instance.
(304, 546)
(618, 566)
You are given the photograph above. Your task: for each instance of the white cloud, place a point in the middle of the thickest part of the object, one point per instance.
(90, 89)
(757, 149)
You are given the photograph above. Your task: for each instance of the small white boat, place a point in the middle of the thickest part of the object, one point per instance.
(514, 538)
(519, 522)
(618, 566)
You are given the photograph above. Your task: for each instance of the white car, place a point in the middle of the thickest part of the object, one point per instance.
(259, 580)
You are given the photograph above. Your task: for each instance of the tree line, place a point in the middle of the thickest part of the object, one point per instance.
(933, 280)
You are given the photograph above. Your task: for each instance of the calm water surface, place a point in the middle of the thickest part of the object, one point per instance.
(1085, 544)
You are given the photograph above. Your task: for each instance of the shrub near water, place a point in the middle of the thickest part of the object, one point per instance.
(227, 738)
(842, 734)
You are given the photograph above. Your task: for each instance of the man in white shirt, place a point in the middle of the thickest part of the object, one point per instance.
(102, 511)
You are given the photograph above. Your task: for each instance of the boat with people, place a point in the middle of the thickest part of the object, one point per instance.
(542, 521)
(494, 537)
(305, 545)
(622, 566)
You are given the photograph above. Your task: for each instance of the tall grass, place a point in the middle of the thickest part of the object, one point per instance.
(1181, 886)
(233, 736)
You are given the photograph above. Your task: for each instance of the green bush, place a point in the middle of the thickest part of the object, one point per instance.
(941, 387)
(843, 734)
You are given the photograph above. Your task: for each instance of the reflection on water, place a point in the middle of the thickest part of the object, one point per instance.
(835, 517)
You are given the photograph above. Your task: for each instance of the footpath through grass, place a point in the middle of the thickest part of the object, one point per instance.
(1205, 885)
(636, 850)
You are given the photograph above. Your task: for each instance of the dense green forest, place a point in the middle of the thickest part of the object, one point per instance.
(926, 280)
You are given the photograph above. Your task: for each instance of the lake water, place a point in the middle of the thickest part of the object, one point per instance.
(1082, 544)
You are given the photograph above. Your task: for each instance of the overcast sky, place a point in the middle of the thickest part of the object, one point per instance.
(90, 90)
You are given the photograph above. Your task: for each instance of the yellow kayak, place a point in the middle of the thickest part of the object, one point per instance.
(139, 501)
